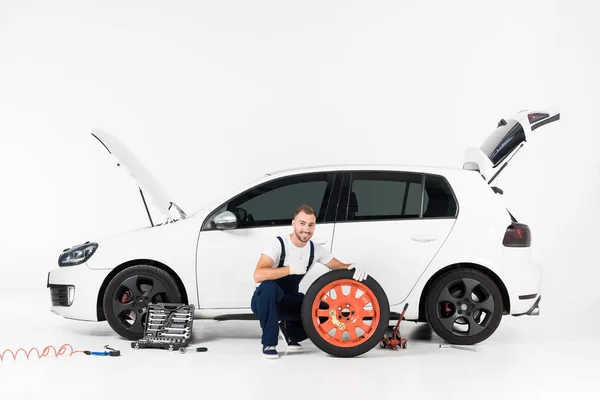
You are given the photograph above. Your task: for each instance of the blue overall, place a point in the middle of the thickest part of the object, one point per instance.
(280, 300)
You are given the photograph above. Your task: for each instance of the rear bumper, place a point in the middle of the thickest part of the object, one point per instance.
(534, 310)
(522, 277)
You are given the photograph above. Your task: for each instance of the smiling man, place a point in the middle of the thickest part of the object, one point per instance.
(279, 271)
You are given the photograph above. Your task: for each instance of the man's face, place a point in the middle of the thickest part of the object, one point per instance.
(304, 226)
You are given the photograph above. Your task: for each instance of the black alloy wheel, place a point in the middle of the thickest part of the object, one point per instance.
(464, 306)
(128, 294)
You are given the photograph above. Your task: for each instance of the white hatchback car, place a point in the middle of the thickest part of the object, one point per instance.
(438, 239)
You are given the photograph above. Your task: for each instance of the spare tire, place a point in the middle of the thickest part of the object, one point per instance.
(355, 318)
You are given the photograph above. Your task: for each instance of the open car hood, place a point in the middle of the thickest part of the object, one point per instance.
(503, 143)
(146, 182)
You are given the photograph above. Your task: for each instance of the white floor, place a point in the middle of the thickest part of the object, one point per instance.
(526, 358)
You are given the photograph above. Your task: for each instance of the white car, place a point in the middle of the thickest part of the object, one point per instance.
(437, 239)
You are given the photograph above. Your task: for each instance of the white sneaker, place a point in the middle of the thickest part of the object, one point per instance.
(270, 352)
(292, 346)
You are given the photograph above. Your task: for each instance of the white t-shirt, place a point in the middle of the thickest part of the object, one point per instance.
(296, 254)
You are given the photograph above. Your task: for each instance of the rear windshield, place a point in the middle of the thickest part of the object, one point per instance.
(503, 140)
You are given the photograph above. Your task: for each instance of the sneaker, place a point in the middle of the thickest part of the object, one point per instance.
(292, 345)
(270, 352)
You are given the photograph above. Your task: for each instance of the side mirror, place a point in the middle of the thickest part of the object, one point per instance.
(497, 190)
(225, 220)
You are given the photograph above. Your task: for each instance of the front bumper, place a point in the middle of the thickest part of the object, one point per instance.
(74, 291)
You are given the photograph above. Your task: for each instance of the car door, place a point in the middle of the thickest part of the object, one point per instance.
(392, 224)
(227, 258)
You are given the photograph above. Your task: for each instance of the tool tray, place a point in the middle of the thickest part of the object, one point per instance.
(168, 326)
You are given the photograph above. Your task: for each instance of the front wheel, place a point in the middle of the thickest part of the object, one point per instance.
(355, 318)
(464, 306)
(130, 292)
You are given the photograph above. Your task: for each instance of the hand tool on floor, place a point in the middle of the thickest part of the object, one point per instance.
(456, 347)
(183, 350)
(111, 353)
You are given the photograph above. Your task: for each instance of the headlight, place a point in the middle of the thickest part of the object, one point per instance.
(77, 254)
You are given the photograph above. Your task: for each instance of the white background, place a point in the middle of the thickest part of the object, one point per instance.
(213, 94)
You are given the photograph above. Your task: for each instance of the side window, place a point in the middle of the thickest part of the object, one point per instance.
(376, 195)
(273, 203)
(438, 200)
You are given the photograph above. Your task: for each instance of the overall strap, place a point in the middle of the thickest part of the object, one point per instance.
(312, 255)
(282, 257)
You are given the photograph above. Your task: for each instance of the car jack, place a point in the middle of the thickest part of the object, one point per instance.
(393, 339)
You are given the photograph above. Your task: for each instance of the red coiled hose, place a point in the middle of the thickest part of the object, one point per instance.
(62, 350)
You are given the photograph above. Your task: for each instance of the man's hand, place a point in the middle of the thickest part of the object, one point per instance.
(359, 274)
(297, 268)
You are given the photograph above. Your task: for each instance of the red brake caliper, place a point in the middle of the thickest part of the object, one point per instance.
(447, 307)
(126, 297)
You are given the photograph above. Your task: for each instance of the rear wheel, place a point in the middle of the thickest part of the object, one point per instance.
(464, 306)
(128, 294)
(355, 318)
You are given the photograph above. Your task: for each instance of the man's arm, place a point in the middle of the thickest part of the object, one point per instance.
(336, 264)
(264, 270)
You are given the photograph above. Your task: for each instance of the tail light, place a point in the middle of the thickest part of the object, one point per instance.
(517, 235)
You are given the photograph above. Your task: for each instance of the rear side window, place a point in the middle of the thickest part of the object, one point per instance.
(438, 200)
(384, 195)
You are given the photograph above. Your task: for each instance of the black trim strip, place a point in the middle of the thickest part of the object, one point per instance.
(146, 206)
(546, 121)
(528, 312)
(333, 198)
(528, 296)
(102, 143)
(423, 181)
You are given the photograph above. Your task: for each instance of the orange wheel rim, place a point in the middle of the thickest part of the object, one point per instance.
(352, 314)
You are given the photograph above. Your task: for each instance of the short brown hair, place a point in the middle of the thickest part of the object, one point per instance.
(306, 209)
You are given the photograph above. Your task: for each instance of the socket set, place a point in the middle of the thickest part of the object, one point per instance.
(168, 326)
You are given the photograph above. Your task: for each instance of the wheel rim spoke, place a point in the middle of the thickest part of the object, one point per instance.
(137, 326)
(322, 313)
(338, 334)
(352, 333)
(448, 323)
(363, 300)
(119, 308)
(131, 283)
(474, 327)
(486, 305)
(157, 288)
(446, 296)
(366, 328)
(352, 293)
(326, 327)
(470, 284)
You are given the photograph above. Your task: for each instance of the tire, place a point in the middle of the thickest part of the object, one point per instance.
(128, 294)
(324, 329)
(469, 311)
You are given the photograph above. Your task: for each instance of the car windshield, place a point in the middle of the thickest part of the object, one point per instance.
(503, 141)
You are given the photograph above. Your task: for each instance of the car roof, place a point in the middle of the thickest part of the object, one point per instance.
(354, 167)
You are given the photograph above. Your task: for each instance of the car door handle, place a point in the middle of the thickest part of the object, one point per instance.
(424, 238)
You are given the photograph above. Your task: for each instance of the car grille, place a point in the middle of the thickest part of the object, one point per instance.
(59, 295)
